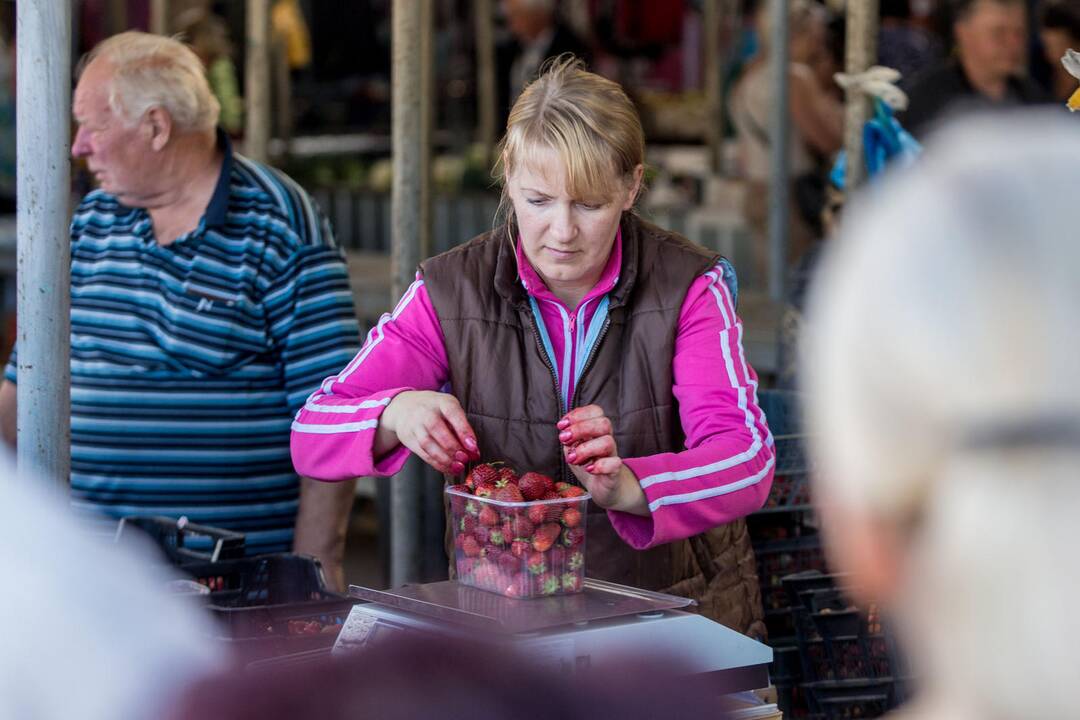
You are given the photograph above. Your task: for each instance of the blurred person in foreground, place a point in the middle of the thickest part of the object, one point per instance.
(208, 298)
(580, 341)
(985, 72)
(943, 388)
(439, 677)
(817, 125)
(90, 631)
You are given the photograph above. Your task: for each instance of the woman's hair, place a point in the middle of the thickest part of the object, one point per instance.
(585, 119)
(942, 364)
(155, 71)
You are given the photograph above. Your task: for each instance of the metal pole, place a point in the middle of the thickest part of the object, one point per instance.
(711, 47)
(487, 131)
(428, 101)
(860, 54)
(405, 489)
(159, 17)
(43, 112)
(780, 125)
(257, 81)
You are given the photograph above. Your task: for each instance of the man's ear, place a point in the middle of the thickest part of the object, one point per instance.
(159, 123)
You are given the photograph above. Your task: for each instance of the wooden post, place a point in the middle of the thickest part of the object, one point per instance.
(43, 141)
(257, 81)
(407, 140)
(713, 109)
(486, 111)
(159, 17)
(861, 53)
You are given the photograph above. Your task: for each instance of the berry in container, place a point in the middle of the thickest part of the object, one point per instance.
(518, 536)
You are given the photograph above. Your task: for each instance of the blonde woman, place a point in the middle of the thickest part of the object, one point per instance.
(944, 393)
(577, 340)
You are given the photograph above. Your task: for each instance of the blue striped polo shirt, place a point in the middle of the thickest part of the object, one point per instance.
(189, 360)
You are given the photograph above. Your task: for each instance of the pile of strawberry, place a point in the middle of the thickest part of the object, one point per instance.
(532, 548)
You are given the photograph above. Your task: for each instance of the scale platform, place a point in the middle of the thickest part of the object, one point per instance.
(605, 623)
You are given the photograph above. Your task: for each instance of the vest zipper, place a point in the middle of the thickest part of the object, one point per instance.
(577, 386)
(564, 471)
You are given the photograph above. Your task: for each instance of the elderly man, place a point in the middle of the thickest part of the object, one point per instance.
(987, 71)
(208, 299)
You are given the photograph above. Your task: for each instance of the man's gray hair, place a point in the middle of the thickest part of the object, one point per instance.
(156, 71)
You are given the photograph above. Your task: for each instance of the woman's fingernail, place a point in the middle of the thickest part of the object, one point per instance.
(565, 435)
(456, 468)
(470, 442)
(460, 456)
(572, 457)
(591, 468)
(564, 423)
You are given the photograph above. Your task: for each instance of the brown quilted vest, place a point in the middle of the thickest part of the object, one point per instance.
(500, 373)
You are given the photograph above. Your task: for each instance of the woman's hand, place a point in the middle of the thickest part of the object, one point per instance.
(432, 425)
(589, 448)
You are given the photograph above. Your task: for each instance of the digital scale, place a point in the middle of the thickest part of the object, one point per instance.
(605, 623)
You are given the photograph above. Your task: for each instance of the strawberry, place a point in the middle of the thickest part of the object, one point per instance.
(460, 487)
(487, 576)
(467, 524)
(482, 534)
(519, 587)
(519, 548)
(549, 584)
(537, 514)
(571, 517)
(560, 486)
(522, 527)
(571, 582)
(576, 561)
(488, 516)
(508, 493)
(509, 564)
(536, 563)
(571, 491)
(533, 485)
(482, 474)
(507, 476)
(472, 508)
(471, 546)
(485, 491)
(496, 537)
(572, 537)
(545, 536)
(556, 558)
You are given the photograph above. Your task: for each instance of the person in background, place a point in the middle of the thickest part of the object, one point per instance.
(903, 45)
(943, 390)
(209, 38)
(986, 72)
(579, 341)
(1059, 30)
(817, 124)
(207, 300)
(536, 35)
(91, 632)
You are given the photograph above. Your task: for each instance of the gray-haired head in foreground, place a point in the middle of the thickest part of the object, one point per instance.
(942, 369)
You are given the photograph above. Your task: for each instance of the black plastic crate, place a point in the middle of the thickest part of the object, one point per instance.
(781, 558)
(182, 542)
(272, 579)
(277, 630)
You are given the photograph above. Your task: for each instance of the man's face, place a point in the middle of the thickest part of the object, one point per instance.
(993, 37)
(119, 156)
(523, 21)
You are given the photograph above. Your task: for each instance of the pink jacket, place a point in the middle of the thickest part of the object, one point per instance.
(724, 473)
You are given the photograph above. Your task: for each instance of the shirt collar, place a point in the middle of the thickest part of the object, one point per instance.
(534, 284)
(218, 206)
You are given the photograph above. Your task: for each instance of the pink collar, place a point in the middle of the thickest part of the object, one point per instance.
(534, 284)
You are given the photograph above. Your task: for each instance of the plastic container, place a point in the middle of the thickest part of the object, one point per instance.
(519, 549)
(183, 542)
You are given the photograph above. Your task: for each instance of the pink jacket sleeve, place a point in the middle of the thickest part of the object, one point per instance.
(727, 468)
(333, 434)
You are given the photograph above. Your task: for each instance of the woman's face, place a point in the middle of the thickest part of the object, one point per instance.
(566, 239)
